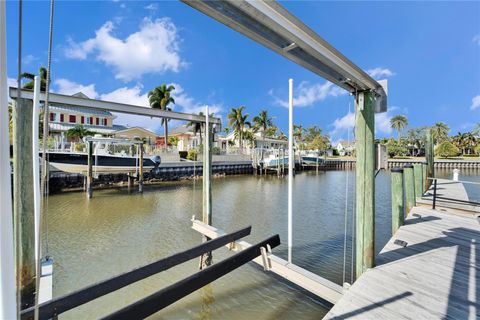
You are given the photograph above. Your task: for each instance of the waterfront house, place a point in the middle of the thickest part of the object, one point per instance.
(345, 148)
(230, 143)
(187, 139)
(138, 133)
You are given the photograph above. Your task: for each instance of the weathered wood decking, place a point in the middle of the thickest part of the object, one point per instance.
(435, 276)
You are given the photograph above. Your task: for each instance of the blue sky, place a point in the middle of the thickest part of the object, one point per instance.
(119, 50)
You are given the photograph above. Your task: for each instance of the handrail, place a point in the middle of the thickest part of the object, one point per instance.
(165, 297)
(69, 301)
(435, 197)
(461, 181)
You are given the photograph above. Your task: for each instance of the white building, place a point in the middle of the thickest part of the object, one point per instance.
(346, 148)
(231, 144)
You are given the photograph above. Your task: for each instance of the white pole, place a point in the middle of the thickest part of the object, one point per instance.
(291, 162)
(36, 165)
(8, 301)
(207, 147)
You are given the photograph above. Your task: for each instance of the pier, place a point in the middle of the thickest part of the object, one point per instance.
(428, 269)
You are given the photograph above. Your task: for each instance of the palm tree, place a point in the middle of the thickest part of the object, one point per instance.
(160, 98)
(298, 132)
(261, 123)
(238, 121)
(42, 71)
(78, 132)
(398, 123)
(440, 132)
(196, 126)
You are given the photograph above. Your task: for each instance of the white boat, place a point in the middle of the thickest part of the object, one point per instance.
(103, 160)
(312, 158)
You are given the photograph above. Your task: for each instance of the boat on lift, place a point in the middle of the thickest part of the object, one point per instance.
(312, 158)
(105, 159)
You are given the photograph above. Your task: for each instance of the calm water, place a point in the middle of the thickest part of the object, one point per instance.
(119, 230)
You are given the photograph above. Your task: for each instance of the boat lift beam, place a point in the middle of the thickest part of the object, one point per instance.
(321, 287)
(271, 25)
(66, 100)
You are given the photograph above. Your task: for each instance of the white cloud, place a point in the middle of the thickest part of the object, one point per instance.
(151, 7)
(380, 72)
(154, 48)
(12, 82)
(382, 123)
(306, 94)
(476, 39)
(188, 104)
(475, 102)
(29, 58)
(69, 87)
(127, 95)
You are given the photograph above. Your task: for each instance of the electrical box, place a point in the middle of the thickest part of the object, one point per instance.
(381, 157)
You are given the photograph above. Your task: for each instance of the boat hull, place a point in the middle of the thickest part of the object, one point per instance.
(311, 160)
(78, 163)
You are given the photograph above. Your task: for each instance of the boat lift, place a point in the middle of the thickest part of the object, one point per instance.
(271, 25)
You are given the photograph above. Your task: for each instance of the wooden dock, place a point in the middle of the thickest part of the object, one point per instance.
(428, 270)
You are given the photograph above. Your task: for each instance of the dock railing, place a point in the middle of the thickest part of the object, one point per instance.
(461, 201)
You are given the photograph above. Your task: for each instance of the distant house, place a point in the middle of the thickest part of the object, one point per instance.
(63, 118)
(230, 142)
(187, 139)
(138, 133)
(346, 148)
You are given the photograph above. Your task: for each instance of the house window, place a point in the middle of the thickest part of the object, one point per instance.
(97, 121)
(104, 122)
(72, 119)
(62, 117)
(90, 120)
(52, 116)
(82, 119)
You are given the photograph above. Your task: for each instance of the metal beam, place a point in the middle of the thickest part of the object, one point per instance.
(271, 25)
(65, 100)
(321, 287)
(69, 301)
(165, 297)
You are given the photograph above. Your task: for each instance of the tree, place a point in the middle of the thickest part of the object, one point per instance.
(42, 71)
(398, 123)
(261, 123)
(272, 132)
(440, 132)
(446, 149)
(464, 142)
(476, 130)
(298, 132)
(78, 132)
(415, 139)
(396, 148)
(160, 98)
(173, 141)
(238, 121)
(197, 126)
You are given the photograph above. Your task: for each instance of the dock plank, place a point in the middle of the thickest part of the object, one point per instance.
(436, 276)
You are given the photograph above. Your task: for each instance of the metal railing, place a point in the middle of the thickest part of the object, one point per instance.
(435, 196)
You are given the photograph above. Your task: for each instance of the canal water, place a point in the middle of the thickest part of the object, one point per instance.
(119, 230)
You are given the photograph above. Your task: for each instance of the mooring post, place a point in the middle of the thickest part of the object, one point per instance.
(398, 209)
(424, 178)
(365, 181)
(409, 187)
(430, 157)
(206, 259)
(418, 172)
(23, 200)
(140, 174)
(89, 170)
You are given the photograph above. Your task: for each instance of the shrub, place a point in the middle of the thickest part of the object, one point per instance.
(446, 149)
(192, 155)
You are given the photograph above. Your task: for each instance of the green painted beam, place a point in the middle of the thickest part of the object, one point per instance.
(23, 202)
(418, 173)
(409, 181)
(398, 208)
(365, 182)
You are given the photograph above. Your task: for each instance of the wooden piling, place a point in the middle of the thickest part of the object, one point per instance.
(429, 154)
(89, 170)
(23, 201)
(418, 173)
(398, 209)
(409, 179)
(424, 178)
(365, 181)
(140, 174)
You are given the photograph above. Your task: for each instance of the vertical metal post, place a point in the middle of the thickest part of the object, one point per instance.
(140, 174)
(424, 178)
(36, 165)
(409, 187)
(89, 170)
(434, 202)
(23, 200)
(430, 157)
(365, 181)
(291, 163)
(206, 259)
(398, 209)
(8, 301)
(417, 172)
